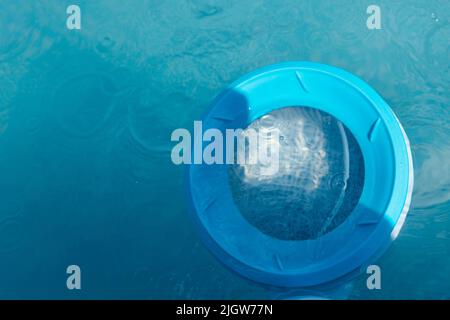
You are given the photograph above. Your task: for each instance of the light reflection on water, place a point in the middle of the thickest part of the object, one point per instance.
(316, 184)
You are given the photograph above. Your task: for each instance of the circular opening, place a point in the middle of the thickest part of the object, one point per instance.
(316, 183)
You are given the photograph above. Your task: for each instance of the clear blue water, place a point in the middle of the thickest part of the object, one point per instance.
(318, 181)
(86, 117)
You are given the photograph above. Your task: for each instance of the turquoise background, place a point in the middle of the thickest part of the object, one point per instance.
(86, 118)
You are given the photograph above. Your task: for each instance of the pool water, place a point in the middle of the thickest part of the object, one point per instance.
(318, 181)
(86, 115)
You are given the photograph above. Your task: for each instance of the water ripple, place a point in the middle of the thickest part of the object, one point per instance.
(437, 52)
(12, 234)
(432, 178)
(84, 103)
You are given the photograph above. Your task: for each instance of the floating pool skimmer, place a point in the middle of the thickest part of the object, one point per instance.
(364, 233)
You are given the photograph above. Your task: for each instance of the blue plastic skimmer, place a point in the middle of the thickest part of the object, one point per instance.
(343, 185)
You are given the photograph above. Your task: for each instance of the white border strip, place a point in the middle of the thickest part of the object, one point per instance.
(402, 218)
